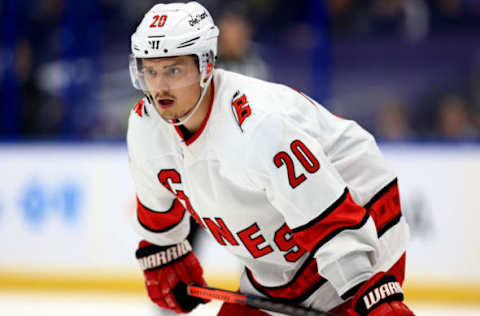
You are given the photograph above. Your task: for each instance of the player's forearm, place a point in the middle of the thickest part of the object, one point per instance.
(173, 235)
(347, 272)
(348, 259)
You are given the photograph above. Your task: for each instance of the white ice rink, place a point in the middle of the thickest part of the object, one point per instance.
(74, 304)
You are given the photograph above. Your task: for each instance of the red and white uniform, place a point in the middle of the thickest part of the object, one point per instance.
(302, 198)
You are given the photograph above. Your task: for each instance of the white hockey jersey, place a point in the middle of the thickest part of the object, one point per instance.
(302, 198)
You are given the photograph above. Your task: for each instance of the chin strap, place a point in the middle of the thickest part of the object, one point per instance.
(194, 109)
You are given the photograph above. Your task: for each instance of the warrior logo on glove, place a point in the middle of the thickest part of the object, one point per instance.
(167, 272)
(382, 292)
(381, 295)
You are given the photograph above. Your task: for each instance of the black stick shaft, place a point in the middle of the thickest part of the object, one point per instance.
(206, 292)
(297, 310)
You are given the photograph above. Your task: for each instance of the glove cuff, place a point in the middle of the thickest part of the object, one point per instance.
(152, 257)
(185, 301)
(381, 288)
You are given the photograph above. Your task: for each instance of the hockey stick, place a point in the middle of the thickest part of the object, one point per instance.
(207, 292)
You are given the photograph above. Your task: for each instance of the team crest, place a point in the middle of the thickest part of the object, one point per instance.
(240, 108)
(139, 108)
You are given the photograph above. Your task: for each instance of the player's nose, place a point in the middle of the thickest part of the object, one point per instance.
(161, 84)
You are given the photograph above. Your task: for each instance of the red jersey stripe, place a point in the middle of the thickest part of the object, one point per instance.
(385, 207)
(342, 214)
(304, 283)
(160, 221)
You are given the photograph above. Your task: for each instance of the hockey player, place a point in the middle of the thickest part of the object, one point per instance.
(302, 198)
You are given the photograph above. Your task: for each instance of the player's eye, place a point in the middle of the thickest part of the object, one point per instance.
(150, 72)
(173, 71)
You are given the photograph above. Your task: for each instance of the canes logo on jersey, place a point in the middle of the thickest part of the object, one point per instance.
(241, 108)
(139, 108)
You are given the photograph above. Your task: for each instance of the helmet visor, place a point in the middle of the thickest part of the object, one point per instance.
(163, 73)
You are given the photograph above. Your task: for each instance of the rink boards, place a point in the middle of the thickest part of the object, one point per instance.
(65, 212)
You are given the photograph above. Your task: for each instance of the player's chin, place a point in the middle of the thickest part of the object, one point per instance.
(170, 115)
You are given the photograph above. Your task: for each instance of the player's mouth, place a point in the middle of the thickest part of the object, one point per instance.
(164, 103)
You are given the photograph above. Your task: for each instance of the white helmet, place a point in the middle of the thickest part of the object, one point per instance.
(175, 29)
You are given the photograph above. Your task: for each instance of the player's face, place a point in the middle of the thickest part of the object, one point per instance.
(174, 84)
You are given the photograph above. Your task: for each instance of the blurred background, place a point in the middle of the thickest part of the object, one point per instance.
(406, 70)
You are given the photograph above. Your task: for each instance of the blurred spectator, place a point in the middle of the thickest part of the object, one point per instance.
(475, 85)
(343, 16)
(447, 13)
(387, 16)
(237, 52)
(453, 120)
(41, 115)
(57, 58)
(405, 18)
(392, 121)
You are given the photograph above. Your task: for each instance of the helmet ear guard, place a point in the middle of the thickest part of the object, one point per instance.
(206, 67)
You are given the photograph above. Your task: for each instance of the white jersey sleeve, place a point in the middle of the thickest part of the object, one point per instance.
(301, 182)
(161, 217)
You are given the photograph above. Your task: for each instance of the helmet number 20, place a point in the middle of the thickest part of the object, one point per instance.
(159, 21)
(306, 158)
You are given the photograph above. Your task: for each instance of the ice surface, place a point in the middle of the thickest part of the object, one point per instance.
(75, 304)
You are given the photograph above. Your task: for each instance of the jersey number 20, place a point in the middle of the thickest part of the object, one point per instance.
(306, 158)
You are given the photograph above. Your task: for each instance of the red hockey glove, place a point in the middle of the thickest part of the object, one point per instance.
(380, 296)
(167, 272)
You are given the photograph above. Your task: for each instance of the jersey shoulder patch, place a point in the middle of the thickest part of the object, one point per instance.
(140, 109)
(240, 107)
